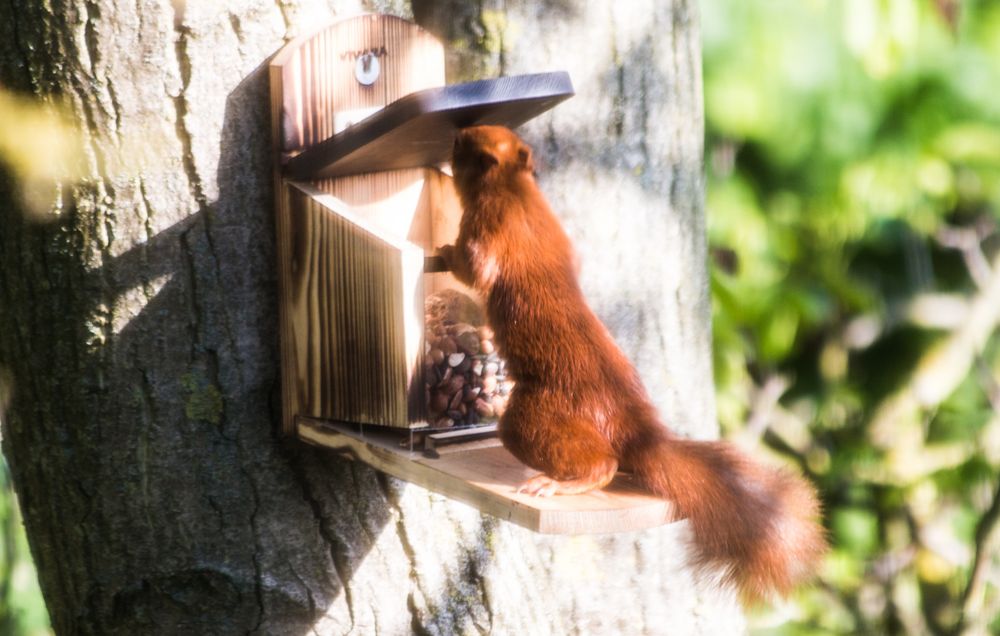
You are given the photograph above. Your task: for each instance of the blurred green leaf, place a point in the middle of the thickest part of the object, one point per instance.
(972, 142)
(856, 529)
(22, 609)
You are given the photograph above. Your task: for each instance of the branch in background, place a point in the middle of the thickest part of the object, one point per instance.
(989, 382)
(987, 540)
(936, 310)
(889, 565)
(975, 614)
(927, 310)
(764, 403)
(895, 425)
(948, 10)
(968, 241)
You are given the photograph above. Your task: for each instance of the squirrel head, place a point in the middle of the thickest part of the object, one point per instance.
(484, 153)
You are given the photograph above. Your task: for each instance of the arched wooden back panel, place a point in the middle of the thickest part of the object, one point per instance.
(313, 81)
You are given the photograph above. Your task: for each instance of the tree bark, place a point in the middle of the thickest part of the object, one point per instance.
(138, 332)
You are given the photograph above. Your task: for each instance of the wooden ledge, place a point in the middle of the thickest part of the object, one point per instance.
(484, 475)
(418, 129)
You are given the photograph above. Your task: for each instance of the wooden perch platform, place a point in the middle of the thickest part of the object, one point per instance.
(418, 130)
(484, 475)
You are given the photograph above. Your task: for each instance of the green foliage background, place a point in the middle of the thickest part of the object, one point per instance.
(853, 160)
(22, 610)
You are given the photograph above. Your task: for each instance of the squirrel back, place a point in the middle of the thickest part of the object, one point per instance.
(579, 412)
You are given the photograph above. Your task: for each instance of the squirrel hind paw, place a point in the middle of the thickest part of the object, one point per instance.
(542, 485)
(539, 486)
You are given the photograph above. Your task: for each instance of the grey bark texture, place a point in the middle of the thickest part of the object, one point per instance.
(138, 330)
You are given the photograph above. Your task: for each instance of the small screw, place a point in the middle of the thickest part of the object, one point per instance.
(366, 69)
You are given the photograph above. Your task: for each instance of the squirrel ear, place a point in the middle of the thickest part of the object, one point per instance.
(524, 158)
(487, 160)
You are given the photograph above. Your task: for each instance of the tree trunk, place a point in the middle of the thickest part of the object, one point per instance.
(138, 332)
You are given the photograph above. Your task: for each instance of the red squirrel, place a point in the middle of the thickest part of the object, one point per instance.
(579, 412)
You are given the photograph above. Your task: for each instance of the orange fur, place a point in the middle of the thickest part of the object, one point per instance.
(579, 412)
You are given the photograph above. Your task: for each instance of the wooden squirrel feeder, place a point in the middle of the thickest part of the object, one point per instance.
(362, 125)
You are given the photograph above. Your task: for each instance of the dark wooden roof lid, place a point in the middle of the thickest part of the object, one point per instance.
(418, 129)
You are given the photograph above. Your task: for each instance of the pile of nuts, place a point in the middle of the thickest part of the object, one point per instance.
(466, 381)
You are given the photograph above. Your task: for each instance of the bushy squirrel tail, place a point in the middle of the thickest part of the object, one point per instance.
(756, 524)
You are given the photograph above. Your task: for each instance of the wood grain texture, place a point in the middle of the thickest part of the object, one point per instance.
(388, 199)
(487, 476)
(441, 211)
(354, 297)
(317, 74)
(355, 334)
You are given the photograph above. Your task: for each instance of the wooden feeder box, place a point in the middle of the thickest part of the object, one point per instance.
(363, 125)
